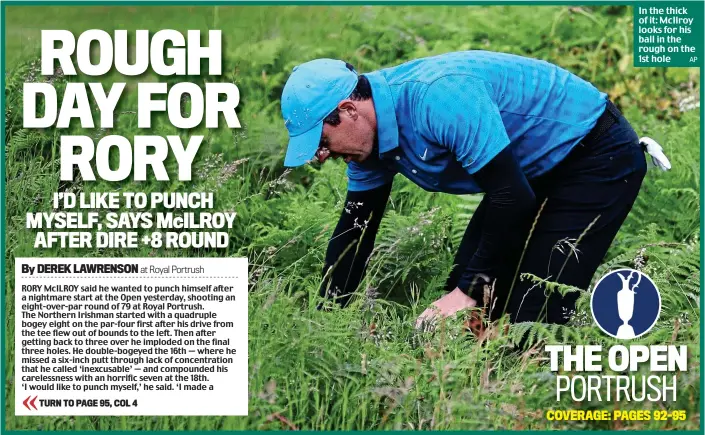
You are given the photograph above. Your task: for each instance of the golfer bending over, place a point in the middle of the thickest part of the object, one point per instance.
(520, 130)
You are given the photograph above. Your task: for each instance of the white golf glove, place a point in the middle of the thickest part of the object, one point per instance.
(656, 152)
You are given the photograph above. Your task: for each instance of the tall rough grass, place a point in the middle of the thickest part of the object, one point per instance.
(365, 367)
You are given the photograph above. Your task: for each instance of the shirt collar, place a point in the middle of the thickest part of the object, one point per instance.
(387, 128)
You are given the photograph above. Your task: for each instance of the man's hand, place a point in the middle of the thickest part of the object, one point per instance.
(446, 306)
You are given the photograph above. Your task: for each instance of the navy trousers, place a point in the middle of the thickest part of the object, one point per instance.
(588, 196)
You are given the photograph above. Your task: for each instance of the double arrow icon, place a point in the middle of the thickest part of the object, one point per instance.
(31, 402)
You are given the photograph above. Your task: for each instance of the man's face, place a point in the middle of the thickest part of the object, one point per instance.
(352, 139)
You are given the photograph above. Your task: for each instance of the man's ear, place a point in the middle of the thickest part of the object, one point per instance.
(348, 108)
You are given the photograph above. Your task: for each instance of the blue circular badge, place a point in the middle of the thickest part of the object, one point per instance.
(625, 304)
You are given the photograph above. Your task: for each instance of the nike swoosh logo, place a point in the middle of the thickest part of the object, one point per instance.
(423, 157)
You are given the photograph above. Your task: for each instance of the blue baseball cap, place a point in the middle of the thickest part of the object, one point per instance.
(311, 93)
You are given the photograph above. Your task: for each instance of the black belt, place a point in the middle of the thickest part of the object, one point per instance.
(608, 118)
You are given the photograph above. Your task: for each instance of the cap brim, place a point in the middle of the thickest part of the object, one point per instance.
(303, 147)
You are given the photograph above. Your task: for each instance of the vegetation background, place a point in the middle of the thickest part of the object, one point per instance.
(366, 367)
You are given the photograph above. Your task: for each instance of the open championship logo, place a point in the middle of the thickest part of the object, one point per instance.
(625, 304)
